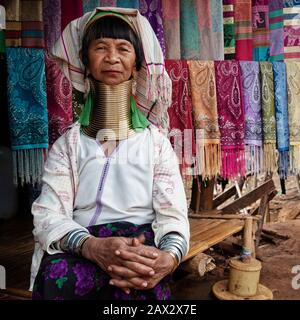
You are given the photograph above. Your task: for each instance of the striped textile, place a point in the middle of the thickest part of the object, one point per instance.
(229, 29)
(204, 102)
(171, 23)
(260, 29)
(276, 30)
(282, 118)
(293, 85)
(268, 117)
(25, 24)
(154, 87)
(253, 126)
(243, 30)
(231, 118)
(291, 15)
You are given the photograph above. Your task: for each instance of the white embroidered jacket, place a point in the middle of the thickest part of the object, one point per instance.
(53, 211)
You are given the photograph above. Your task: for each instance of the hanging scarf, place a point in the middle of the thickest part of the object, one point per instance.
(268, 115)
(59, 89)
(204, 101)
(210, 25)
(282, 121)
(260, 29)
(25, 24)
(180, 114)
(276, 30)
(293, 84)
(70, 9)
(189, 30)
(171, 23)
(27, 112)
(291, 15)
(243, 29)
(152, 10)
(231, 118)
(128, 4)
(253, 124)
(107, 3)
(90, 5)
(154, 88)
(229, 29)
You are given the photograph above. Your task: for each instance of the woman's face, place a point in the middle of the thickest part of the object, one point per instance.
(111, 61)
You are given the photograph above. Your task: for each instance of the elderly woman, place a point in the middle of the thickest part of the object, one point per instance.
(111, 220)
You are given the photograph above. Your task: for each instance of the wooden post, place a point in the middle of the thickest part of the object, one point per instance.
(207, 194)
(248, 244)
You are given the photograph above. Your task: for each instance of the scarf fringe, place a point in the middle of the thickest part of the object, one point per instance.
(295, 159)
(270, 157)
(283, 164)
(28, 165)
(208, 160)
(254, 159)
(233, 163)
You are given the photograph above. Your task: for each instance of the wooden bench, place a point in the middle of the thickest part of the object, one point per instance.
(210, 226)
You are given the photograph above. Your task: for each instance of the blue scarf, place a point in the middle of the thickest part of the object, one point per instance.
(281, 111)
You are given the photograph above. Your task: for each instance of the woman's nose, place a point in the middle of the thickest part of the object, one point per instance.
(112, 56)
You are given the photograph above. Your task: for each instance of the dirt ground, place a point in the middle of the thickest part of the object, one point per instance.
(278, 255)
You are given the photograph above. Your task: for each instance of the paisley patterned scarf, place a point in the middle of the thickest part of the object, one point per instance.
(27, 112)
(204, 101)
(282, 118)
(231, 118)
(253, 125)
(268, 117)
(293, 83)
(180, 114)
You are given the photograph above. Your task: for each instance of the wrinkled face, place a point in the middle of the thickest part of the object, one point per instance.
(111, 61)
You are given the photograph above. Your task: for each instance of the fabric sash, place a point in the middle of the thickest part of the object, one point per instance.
(231, 118)
(204, 102)
(281, 110)
(293, 83)
(229, 29)
(253, 125)
(276, 30)
(268, 116)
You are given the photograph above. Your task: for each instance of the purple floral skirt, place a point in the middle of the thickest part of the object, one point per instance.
(65, 276)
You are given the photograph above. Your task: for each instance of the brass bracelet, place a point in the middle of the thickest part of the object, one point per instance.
(176, 263)
(81, 242)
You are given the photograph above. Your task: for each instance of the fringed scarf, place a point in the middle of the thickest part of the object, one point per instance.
(107, 3)
(154, 87)
(231, 118)
(171, 23)
(293, 85)
(152, 10)
(128, 4)
(27, 112)
(180, 114)
(59, 88)
(276, 30)
(243, 29)
(204, 102)
(282, 118)
(260, 29)
(189, 30)
(229, 29)
(90, 5)
(253, 125)
(25, 24)
(291, 22)
(268, 116)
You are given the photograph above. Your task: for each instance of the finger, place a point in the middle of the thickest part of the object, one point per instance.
(136, 283)
(133, 257)
(119, 271)
(141, 251)
(141, 238)
(139, 268)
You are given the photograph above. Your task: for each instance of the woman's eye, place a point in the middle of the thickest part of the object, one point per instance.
(123, 49)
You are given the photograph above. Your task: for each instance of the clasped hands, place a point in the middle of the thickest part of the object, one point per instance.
(129, 262)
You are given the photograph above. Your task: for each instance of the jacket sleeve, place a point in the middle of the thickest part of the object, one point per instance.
(53, 209)
(169, 199)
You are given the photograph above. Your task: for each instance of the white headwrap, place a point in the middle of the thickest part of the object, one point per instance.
(154, 87)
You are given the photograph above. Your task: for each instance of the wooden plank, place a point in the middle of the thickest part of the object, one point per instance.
(199, 246)
(194, 227)
(222, 216)
(250, 197)
(210, 224)
(224, 196)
